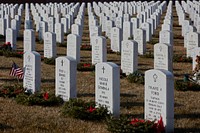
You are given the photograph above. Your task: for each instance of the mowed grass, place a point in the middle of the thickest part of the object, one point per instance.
(36, 119)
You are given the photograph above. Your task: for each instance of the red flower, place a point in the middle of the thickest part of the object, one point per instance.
(20, 52)
(86, 65)
(159, 126)
(17, 91)
(136, 121)
(8, 43)
(5, 91)
(91, 109)
(46, 96)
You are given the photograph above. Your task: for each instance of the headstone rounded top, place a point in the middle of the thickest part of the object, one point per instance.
(111, 64)
(66, 57)
(162, 72)
(32, 53)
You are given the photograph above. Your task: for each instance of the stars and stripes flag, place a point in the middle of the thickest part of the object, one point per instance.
(16, 71)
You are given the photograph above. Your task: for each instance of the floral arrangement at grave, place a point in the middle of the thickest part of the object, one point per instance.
(39, 98)
(125, 124)
(50, 61)
(86, 47)
(6, 50)
(6, 46)
(22, 96)
(11, 91)
(136, 77)
(190, 82)
(79, 109)
(85, 67)
(181, 58)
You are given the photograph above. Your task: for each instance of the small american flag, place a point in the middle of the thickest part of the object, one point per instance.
(16, 71)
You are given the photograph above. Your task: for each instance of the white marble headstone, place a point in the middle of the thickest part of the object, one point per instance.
(32, 71)
(29, 40)
(73, 46)
(159, 97)
(99, 49)
(129, 56)
(163, 57)
(66, 77)
(107, 86)
(11, 37)
(116, 38)
(50, 48)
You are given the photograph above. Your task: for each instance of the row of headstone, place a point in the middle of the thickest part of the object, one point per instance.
(10, 17)
(159, 96)
(128, 28)
(190, 31)
(46, 23)
(10, 22)
(163, 51)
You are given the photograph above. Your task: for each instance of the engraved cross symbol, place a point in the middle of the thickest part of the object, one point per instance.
(103, 69)
(160, 48)
(155, 77)
(62, 62)
(127, 45)
(29, 58)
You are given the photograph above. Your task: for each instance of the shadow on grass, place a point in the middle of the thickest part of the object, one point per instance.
(127, 95)
(11, 80)
(113, 61)
(20, 38)
(130, 115)
(143, 64)
(177, 69)
(61, 54)
(48, 80)
(85, 95)
(187, 130)
(178, 105)
(189, 116)
(5, 127)
(5, 68)
(128, 104)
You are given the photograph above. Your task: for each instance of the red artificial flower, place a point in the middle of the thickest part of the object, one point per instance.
(17, 91)
(91, 109)
(5, 91)
(159, 126)
(86, 65)
(20, 52)
(8, 43)
(46, 96)
(136, 121)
